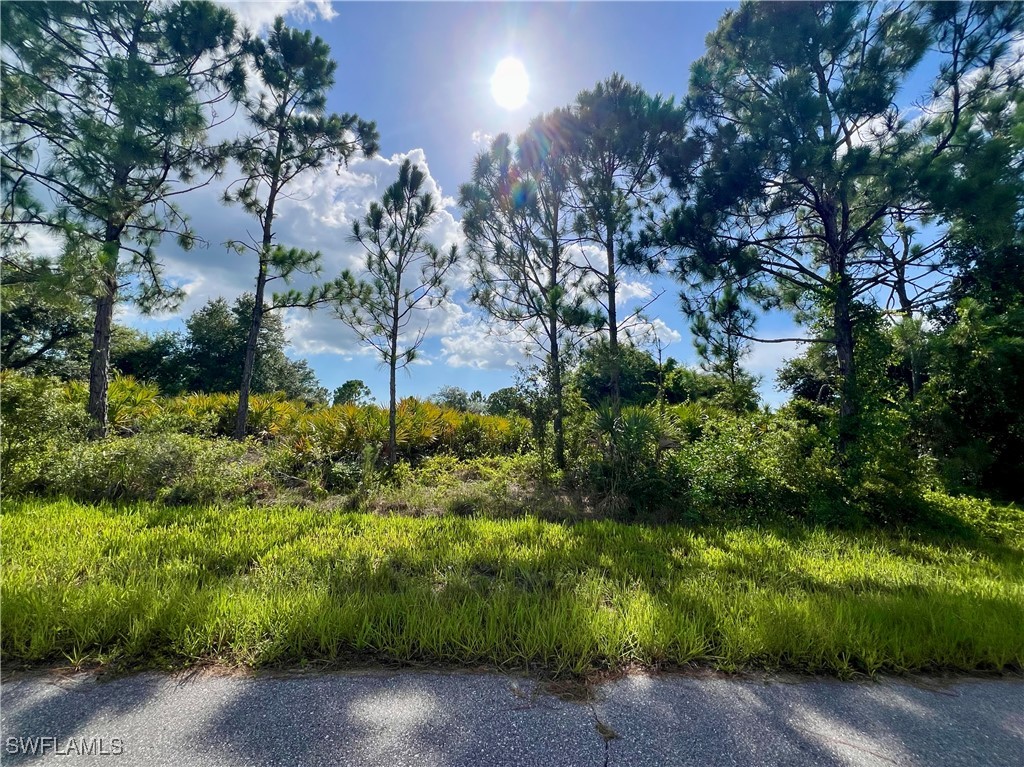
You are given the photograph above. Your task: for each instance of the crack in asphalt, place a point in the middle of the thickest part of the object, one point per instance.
(607, 733)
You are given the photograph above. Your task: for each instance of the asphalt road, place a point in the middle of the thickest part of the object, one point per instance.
(423, 719)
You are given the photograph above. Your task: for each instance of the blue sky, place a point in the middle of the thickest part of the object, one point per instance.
(422, 72)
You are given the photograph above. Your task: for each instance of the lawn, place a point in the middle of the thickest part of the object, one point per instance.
(145, 584)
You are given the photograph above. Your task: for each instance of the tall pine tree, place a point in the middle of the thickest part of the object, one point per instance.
(406, 274)
(105, 108)
(291, 135)
(518, 224)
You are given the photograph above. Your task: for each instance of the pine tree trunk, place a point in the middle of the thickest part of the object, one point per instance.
(613, 331)
(842, 321)
(392, 418)
(848, 399)
(556, 391)
(392, 387)
(99, 358)
(393, 398)
(249, 365)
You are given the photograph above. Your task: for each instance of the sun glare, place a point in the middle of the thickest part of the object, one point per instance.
(510, 85)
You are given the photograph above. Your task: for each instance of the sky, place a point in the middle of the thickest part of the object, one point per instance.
(422, 72)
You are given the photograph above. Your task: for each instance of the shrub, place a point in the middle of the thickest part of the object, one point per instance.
(627, 471)
(448, 471)
(888, 476)
(35, 413)
(205, 414)
(731, 468)
(175, 468)
(131, 405)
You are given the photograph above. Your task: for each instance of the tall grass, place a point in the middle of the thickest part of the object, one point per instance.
(144, 584)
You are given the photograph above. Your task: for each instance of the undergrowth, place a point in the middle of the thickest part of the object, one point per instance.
(145, 584)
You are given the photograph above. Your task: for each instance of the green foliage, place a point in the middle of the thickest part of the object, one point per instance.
(960, 516)
(353, 392)
(621, 135)
(628, 474)
(721, 338)
(454, 397)
(637, 371)
(173, 468)
(242, 585)
(405, 275)
(971, 410)
(105, 108)
(639, 380)
(160, 359)
(518, 217)
(315, 448)
(812, 376)
(214, 348)
(683, 384)
(732, 469)
(47, 317)
(36, 417)
(508, 401)
(784, 200)
(290, 136)
(208, 356)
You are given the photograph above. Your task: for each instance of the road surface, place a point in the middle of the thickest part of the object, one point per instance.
(426, 719)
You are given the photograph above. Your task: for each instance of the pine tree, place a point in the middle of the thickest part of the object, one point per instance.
(809, 163)
(291, 136)
(518, 225)
(406, 274)
(721, 338)
(105, 108)
(619, 135)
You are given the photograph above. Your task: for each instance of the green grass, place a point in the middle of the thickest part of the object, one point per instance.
(145, 584)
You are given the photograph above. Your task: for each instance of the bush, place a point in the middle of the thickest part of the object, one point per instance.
(733, 468)
(175, 468)
(448, 471)
(888, 477)
(131, 405)
(692, 459)
(626, 470)
(35, 413)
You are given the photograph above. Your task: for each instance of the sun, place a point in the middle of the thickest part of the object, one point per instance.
(510, 85)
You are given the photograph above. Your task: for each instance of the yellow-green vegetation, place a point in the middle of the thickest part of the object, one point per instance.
(176, 449)
(422, 426)
(144, 584)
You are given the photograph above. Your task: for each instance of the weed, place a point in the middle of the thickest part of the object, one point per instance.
(146, 584)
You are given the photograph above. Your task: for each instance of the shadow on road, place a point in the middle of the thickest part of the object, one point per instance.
(460, 718)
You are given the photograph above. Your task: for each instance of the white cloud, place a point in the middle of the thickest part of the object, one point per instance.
(42, 243)
(630, 290)
(257, 15)
(481, 139)
(317, 214)
(475, 344)
(652, 332)
(765, 359)
(592, 258)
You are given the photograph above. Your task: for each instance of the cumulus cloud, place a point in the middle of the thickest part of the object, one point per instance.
(481, 139)
(645, 331)
(475, 343)
(317, 214)
(765, 359)
(592, 260)
(627, 290)
(257, 15)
